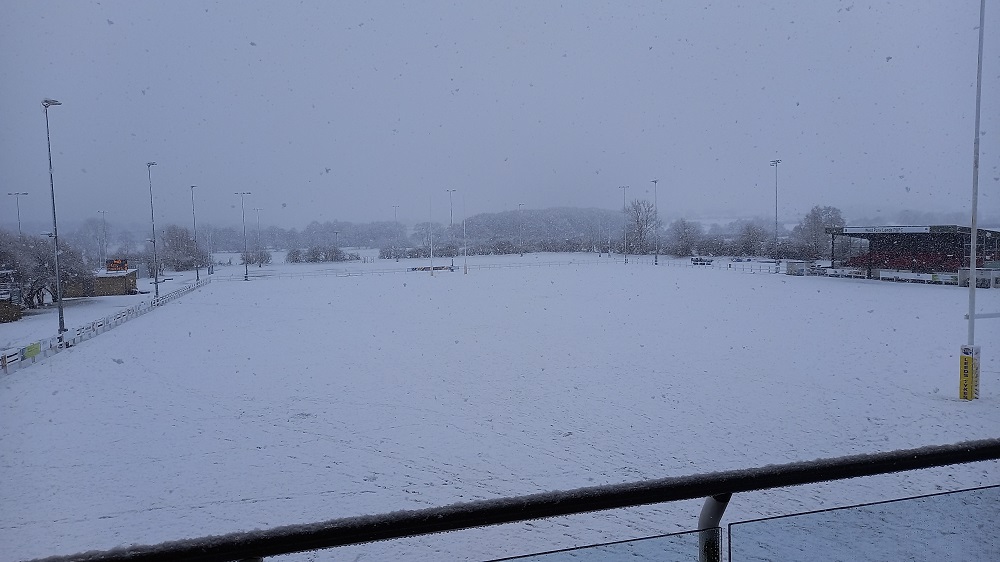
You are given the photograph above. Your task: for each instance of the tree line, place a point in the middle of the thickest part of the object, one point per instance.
(636, 229)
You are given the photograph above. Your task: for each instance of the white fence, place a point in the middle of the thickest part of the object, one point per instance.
(21, 357)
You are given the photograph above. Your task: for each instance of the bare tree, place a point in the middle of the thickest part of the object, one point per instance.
(423, 231)
(643, 226)
(126, 245)
(810, 235)
(751, 239)
(684, 237)
(180, 252)
(87, 239)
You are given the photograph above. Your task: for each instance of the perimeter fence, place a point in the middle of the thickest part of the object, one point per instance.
(17, 358)
(739, 267)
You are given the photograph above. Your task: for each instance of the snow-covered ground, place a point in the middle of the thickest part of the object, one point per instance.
(299, 397)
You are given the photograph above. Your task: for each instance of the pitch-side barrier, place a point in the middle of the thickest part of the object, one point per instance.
(17, 358)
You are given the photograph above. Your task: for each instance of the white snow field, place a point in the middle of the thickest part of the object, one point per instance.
(249, 405)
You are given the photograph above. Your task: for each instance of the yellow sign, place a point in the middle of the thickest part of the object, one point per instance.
(31, 350)
(968, 378)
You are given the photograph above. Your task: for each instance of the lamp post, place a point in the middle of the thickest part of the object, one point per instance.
(395, 224)
(624, 189)
(465, 237)
(152, 217)
(451, 208)
(656, 218)
(46, 103)
(430, 229)
(17, 201)
(246, 254)
(451, 220)
(194, 223)
(104, 237)
(520, 228)
(775, 164)
(260, 249)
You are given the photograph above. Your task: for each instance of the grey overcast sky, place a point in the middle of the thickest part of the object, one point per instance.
(340, 110)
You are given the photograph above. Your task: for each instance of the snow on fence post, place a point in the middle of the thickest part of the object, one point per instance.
(968, 377)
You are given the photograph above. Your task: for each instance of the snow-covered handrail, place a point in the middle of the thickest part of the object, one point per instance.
(256, 545)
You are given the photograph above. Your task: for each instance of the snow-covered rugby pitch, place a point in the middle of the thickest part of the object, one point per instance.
(255, 404)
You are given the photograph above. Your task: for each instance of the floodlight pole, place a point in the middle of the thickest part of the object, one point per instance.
(624, 189)
(246, 252)
(656, 218)
(430, 230)
(520, 228)
(46, 103)
(451, 208)
(395, 224)
(775, 164)
(152, 217)
(194, 221)
(975, 184)
(465, 237)
(104, 238)
(451, 220)
(260, 249)
(17, 201)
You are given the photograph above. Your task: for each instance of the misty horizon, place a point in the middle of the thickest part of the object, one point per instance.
(341, 112)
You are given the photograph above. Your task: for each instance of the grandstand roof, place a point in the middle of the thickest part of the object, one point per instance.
(870, 231)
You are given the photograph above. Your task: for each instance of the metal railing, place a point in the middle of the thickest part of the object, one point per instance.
(716, 487)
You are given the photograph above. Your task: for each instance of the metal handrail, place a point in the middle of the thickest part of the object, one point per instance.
(400, 524)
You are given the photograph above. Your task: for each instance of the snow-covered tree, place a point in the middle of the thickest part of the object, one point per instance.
(178, 250)
(643, 226)
(684, 237)
(811, 240)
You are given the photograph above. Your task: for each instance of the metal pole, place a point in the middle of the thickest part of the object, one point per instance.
(430, 230)
(451, 207)
(975, 183)
(55, 228)
(246, 253)
(465, 237)
(520, 228)
(709, 549)
(775, 164)
(152, 217)
(104, 238)
(395, 224)
(656, 217)
(194, 221)
(624, 189)
(17, 202)
(260, 249)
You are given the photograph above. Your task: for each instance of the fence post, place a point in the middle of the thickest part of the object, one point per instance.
(709, 545)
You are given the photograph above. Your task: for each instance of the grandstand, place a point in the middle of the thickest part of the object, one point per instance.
(918, 249)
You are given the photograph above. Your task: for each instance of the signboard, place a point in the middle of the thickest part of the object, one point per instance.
(968, 379)
(116, 265)
(886, 229)
(31, 350)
